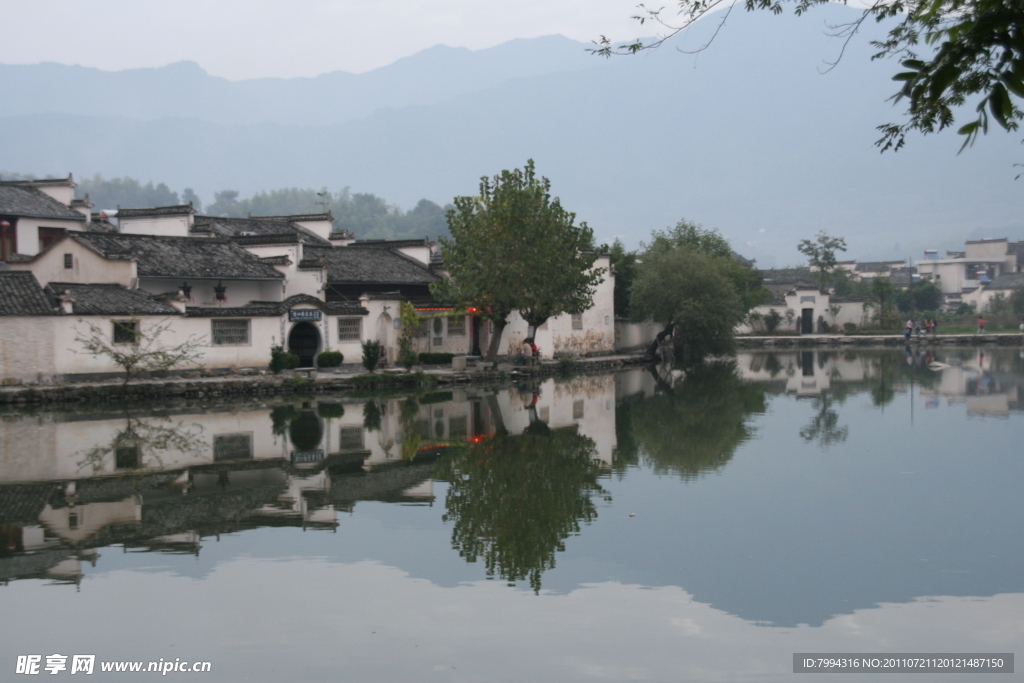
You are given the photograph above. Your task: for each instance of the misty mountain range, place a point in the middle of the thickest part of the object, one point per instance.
(747, 136)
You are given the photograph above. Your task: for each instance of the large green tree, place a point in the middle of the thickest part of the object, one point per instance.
(954, 52)
(690, 281)
(691, 428)
(513, 500)
(513, 247)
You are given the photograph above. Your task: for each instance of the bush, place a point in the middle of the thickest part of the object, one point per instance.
(772, 320)
(282, 360)
(407, 358)
(849, 328)
(330, 359)
(371, 354)
(330, 410)
(436, 358)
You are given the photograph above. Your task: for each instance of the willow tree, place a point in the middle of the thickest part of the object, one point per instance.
(515, 248)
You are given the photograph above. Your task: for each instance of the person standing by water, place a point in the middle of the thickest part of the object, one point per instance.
(981, 325)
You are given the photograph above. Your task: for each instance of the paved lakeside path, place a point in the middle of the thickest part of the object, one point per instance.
(812, 340)
(251, 382)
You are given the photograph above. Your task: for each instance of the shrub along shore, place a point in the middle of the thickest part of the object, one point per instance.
(252, 382)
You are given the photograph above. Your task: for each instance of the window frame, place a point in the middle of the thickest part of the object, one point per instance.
(358, 328)
(214, 332)
(124, 326)
(457, 329)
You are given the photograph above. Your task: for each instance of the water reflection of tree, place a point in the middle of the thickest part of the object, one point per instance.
(144, 440)
(694, 426)
(824, 427)
(515, 499)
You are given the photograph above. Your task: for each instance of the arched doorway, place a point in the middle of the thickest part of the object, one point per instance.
(306, 431)
(304, 342)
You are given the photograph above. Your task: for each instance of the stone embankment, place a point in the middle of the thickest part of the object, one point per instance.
(249, 382)
(817, 340)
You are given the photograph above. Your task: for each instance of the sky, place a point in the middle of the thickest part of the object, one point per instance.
(242, 39)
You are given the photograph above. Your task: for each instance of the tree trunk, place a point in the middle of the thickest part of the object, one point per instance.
(492, 349)
(653, 348)
(496, 417)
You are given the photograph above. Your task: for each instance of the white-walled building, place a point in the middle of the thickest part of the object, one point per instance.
(240, 285)
(36, 213)
(961, 274)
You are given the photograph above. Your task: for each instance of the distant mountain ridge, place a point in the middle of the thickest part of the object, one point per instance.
(185, 90)
(747, 137)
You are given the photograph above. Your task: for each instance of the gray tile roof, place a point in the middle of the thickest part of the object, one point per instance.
(20, 294)
(326, 216)
(110, 299)
(276, 260)
(43, 182)
(32, 203)
(390, 244)
(248, 229)
(177, 210)
(256, 309)
(381, 266)
(1007, 281)
(181, 257)
(876, 266)
(788, 276)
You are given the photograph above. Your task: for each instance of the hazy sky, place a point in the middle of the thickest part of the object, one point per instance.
(240, 39)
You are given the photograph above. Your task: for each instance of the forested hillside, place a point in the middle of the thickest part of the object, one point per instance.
(364, 214)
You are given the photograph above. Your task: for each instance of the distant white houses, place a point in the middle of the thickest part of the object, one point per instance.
(974, 275)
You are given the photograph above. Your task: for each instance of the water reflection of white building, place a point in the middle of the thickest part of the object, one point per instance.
(978, 380)
(72, 482)
(806, 372)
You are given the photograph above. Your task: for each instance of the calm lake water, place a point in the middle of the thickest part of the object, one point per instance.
(624, 527)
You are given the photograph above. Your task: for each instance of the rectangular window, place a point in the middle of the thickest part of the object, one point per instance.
(350, 329)
(126, 332)
(577, 321)
(350, 439)
(232, 447)
(457, 327)
(229, 332)
(48, 236)
(126, 457)
(438, 341)
(577, 410)
(458, 428)
(69, 261)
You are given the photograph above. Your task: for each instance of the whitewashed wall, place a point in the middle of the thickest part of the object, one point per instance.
(557, 334)
(631, 336)
(28, 347)
(88, 266)
(28, 231)
(169, 226)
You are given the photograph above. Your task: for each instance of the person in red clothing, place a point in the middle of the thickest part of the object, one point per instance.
(981, 325)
